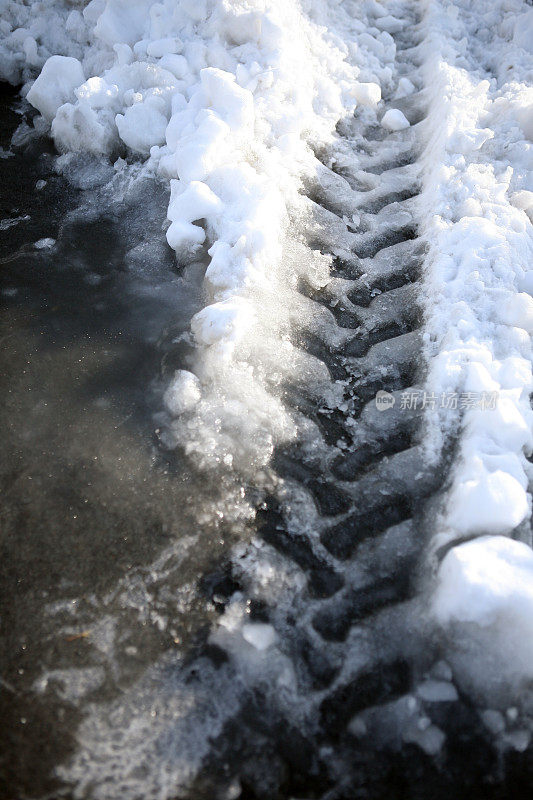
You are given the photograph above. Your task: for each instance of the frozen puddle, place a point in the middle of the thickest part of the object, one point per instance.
(267, 477)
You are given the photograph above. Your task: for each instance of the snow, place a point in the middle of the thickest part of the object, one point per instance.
(484, 602)
(493, 720)
(59, 77)
(476, 189)
(367, 94)
(221, 101)
(405, 88)
(182, 393)
(45, 244)
(394, 120)
(523, 31)
(433, 691)
(225, 103)
(259, 635)
(429, 738)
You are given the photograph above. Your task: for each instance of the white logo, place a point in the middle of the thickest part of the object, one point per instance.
(384, 400)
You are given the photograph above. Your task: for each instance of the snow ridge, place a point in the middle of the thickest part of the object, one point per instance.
(478, 164)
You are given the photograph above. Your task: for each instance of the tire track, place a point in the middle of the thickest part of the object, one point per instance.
(335, 709)
(351, 513)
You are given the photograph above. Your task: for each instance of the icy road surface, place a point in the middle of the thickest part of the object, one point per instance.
(266, 375)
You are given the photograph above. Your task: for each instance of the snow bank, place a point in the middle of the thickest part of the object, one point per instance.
(222, 101)
(32, 32)
(478, 164)
(481, 251)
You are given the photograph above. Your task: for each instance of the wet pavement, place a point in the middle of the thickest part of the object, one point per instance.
(92, 313)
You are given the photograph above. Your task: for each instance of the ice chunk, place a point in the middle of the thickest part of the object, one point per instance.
(493, 720)
(394, 120)
(442, 671)
(487, 501)
(437, 691)
(196, 153)
(233, 103)
(162, 47)
(390, 24)
(143, 125)
(55, 85)
(97, 93)
(522, 200)
(428, 737)
(194, 202)
(183, 393)
(259, 634)
(485, 580)
(523, 31)
(44, 244)
(518, 310)
(524, 112)
(367, 94)
(485, 598)
(518, 740)
(405, 88)
(77, 127)
(227, 320)
(123, 21)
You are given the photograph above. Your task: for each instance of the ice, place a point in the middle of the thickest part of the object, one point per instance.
(221, 101)
(189, 203)
(45, 244)
(524, 201)
(441, 671)
(394, 120)
(367, 94)
(70, 684)
(143, 125)
(223, 322)
(226, 105)
(523, 31)
(123, 21)
(518, 740)
(487, 500)
(434, 691)
(518, 311)
(389, 23)
(259, 635)
(493, 720)
(430, 738)
(55, 85)
(182, 394)
(405, 88)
